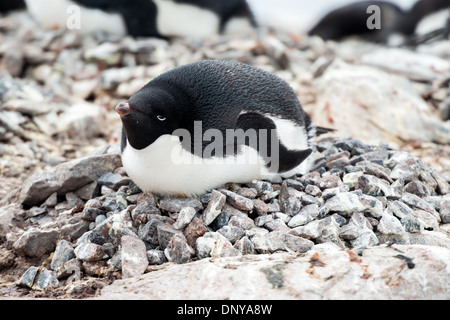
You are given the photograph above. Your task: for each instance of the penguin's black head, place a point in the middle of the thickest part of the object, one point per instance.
(148, 114)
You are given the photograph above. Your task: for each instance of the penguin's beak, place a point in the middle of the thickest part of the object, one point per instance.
(123, 109)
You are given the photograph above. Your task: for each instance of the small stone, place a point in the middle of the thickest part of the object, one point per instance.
(184, 218)
(214, 207)
(134, 257)
(90, 252)
(27, 278)
(232, 233)
(277, 241)
(213, 244)
(418, 188)
(443, 187)
(237, 201)
(194, 230)
(36, 242)
(113, 180)
(245, 246)
(412, 224)
(149, 232)
(390, 225)
(313, 190)
(366, 239)
(328, 182)
(414, 201)
(156, 257)
(45, 279)
(63, 252)
(312, 230)
(374, 186)
(304, 216)
(399, 209)
(165, 233)
(242, 222)
(176, 204)
(178, 250)
(445, 211)
(291, 206)
(250, 193)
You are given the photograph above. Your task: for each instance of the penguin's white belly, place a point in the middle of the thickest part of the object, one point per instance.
(64, 14)
(165, 167)
(184, 20)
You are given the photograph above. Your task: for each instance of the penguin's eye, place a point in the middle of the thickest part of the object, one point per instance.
(161, 118)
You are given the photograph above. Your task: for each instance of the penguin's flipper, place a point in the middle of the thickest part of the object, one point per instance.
(278, 158)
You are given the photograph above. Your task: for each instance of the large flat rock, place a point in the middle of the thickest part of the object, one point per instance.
(396, 272)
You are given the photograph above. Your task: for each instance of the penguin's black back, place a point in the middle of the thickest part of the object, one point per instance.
(9, 5)
(139, 15)
(216, 92)
(224, 9)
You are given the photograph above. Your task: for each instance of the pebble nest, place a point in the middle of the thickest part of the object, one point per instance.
(357, 196)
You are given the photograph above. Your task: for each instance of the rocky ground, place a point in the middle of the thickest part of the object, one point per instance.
(73, 225)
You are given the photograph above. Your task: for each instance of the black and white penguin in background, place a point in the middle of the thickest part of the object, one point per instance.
(352, 20)
(202, 125)
(11, 5)
(146, 18)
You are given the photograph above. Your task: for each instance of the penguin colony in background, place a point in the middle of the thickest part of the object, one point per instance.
(198, 18)
(201, 125)
(143, 18)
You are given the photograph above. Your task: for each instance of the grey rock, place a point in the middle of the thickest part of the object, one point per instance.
(232, 233)
(165, 233)
(414, 201)
(90, 252)
(36, 242)
(304, 216)
(184, 218)
(277, 241)
(390, 225)
(149, 231)
(291, 206)
(213, 244)
(178, 250)
(214, 207)
(63, 252)
(374, 186)
(365, 239)
(45, 279)
(237, 201)
(242, 222)
(367, 273)
(66, 177)
(176, 204)
(418, 188)
(412, 224)
(113, 180)
(27, 279)
(156, 257)
(399, 209)
(134, 257)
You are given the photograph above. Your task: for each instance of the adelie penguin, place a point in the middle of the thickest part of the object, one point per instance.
(202, 125)
(145, 18)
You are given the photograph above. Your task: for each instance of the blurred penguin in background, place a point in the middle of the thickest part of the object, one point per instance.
(10, 5)
(355, 20)
(145, 18)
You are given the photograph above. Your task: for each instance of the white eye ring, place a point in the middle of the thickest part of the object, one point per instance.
(161, 118)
